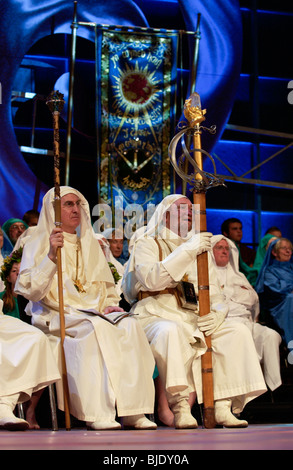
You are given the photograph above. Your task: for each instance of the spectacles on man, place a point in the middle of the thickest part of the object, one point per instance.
(222, 247)
(18, 227)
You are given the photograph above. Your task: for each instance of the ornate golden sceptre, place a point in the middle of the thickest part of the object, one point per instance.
(200, 181)
(55, 103)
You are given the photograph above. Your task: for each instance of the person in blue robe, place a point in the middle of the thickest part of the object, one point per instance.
(275, 287)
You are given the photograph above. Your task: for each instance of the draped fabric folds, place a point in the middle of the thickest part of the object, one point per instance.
(22, 24)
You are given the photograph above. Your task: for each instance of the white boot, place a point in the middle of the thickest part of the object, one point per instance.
(8, 420)
(224, 416)
(138, 422)
(105, 425)
(183, 418)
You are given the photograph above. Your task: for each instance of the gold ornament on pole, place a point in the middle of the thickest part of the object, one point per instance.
(200, 181)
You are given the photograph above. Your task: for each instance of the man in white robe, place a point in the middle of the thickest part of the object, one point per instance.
(242, 305)
(109, 367)
(174, 332)
(27, 365)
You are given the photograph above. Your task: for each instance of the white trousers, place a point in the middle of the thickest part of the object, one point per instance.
(236, 369)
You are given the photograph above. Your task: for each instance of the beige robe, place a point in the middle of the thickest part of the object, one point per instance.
(108, 366)
(27, 363)
(242, 305)
(174, 337)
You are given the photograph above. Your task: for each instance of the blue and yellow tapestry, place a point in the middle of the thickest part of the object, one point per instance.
(138, 82)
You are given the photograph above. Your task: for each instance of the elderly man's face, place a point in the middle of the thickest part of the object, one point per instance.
(70, 212)
(15, 230)
(179, 217)
(116, 246)
(221, 252)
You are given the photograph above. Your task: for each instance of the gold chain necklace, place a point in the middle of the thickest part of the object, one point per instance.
(77, 282)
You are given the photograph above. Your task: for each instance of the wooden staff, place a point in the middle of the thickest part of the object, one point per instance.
(55, 103)
(195, 116)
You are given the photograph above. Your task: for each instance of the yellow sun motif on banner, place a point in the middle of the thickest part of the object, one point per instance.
(136, 91)
(136, 88)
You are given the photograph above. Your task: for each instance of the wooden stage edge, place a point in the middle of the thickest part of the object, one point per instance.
(163, 441)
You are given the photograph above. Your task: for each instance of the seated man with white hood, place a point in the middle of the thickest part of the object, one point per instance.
(109, 366)
(160, 258)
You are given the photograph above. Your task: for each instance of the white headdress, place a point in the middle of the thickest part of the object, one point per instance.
(152, 229)
(37, 246)
(235, 280)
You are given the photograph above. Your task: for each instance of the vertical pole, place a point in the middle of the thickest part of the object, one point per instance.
(195, 116)
(199, 197)
(55, 103)
(70, 96)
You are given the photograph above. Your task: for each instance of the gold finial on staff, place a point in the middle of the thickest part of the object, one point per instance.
(200, 181)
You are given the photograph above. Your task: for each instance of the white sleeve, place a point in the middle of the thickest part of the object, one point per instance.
(150, 272)
(35, 283)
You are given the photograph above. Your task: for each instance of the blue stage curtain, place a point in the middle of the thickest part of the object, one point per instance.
(23, 23)
(220, 57)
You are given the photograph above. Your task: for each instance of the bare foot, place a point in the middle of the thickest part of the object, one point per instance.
(166, 417)
(30, 410)
(30, 416)
(31, 419)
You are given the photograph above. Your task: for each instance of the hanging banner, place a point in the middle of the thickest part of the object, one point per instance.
(138, 84)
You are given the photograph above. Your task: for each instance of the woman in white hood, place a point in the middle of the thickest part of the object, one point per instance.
(242, 305)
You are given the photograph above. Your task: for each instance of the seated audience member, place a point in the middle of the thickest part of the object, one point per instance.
(275, 286)
(6, 246)
(275, 231)
(116, 268)
(163, 254)
(31, 217)
(109, 366)
(14, 228)
(271, 234)
(24, 237)
(232, 229)
(115, 244)
(118, 244)
(11, 307)
(27, 366)
(9, 273)
(242, 305)
(5, 249)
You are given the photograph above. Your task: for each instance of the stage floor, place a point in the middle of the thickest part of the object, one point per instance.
(167, 440)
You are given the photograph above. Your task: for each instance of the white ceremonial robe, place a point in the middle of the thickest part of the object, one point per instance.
(26, 360)
(175, 339)
(243, 306)
(107, 365)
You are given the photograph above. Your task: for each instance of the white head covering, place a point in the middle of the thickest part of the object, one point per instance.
(234, 278)
(234, 275)
(108, 233)
(37, 246)
(154, 228)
